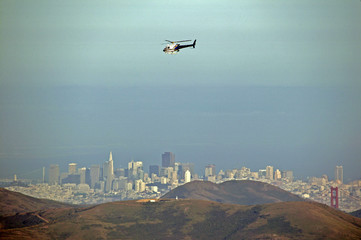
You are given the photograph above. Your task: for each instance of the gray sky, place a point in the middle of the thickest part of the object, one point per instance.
(269, 83)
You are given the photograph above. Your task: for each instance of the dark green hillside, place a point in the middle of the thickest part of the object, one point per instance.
(237, 192)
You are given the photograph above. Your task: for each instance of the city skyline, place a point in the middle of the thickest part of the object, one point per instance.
(122, 163)
(94, 185)
(270, 171)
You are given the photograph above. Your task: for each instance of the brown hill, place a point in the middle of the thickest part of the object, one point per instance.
(191, 219)
(236, 192)
(14, 202)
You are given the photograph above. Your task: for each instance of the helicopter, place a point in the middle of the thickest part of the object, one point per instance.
(174, 46)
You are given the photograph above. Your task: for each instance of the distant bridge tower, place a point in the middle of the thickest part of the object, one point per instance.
(334, 197)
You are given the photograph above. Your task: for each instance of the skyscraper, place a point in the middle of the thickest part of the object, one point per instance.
(135, 169)
(72, 168)
(54, 174)
(210, 170)
(187, 176)
(168, 160)
(269, 172)
(82, 172)
(110, 165)
(179, 169)
(339, 174)
(94, 175)
(110, 174)
(277, 175)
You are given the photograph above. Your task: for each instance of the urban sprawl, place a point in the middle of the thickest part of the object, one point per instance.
(99, 184)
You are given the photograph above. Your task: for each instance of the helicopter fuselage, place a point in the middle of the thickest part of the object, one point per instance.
(171, 48)
(175, 47)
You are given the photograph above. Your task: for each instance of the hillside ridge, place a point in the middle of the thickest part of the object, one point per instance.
(189, 219)
(245, 192)
(14, 202)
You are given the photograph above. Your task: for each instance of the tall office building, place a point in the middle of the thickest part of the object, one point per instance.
(87, 176)
(168, 160)
(110, 165)
(339, 174)
(173, 175)
(166, 172)
(187, 176)
(94, 175)
(110, 174)
(54, 174)
(277, 175)
(210, 170)
(139, 186)
(135, 169)
(269, 172)
(179, 169)
(82, 173)
(72, 168)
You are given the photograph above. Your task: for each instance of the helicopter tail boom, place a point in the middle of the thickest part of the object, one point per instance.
(185, 46)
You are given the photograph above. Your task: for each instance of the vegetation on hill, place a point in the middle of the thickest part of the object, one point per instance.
(237, 192)
(191, 219)
(178, 219)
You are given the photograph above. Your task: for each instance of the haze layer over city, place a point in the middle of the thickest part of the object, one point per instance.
(269, 83)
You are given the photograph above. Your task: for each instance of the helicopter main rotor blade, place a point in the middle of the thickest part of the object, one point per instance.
(178, 41)
(183, 41)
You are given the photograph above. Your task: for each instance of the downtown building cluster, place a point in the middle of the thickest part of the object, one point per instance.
(170, 174)
(106, 179)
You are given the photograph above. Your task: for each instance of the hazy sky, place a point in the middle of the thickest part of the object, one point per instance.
(269, 83)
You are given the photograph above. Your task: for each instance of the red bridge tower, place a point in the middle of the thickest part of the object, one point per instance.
(334, 197)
